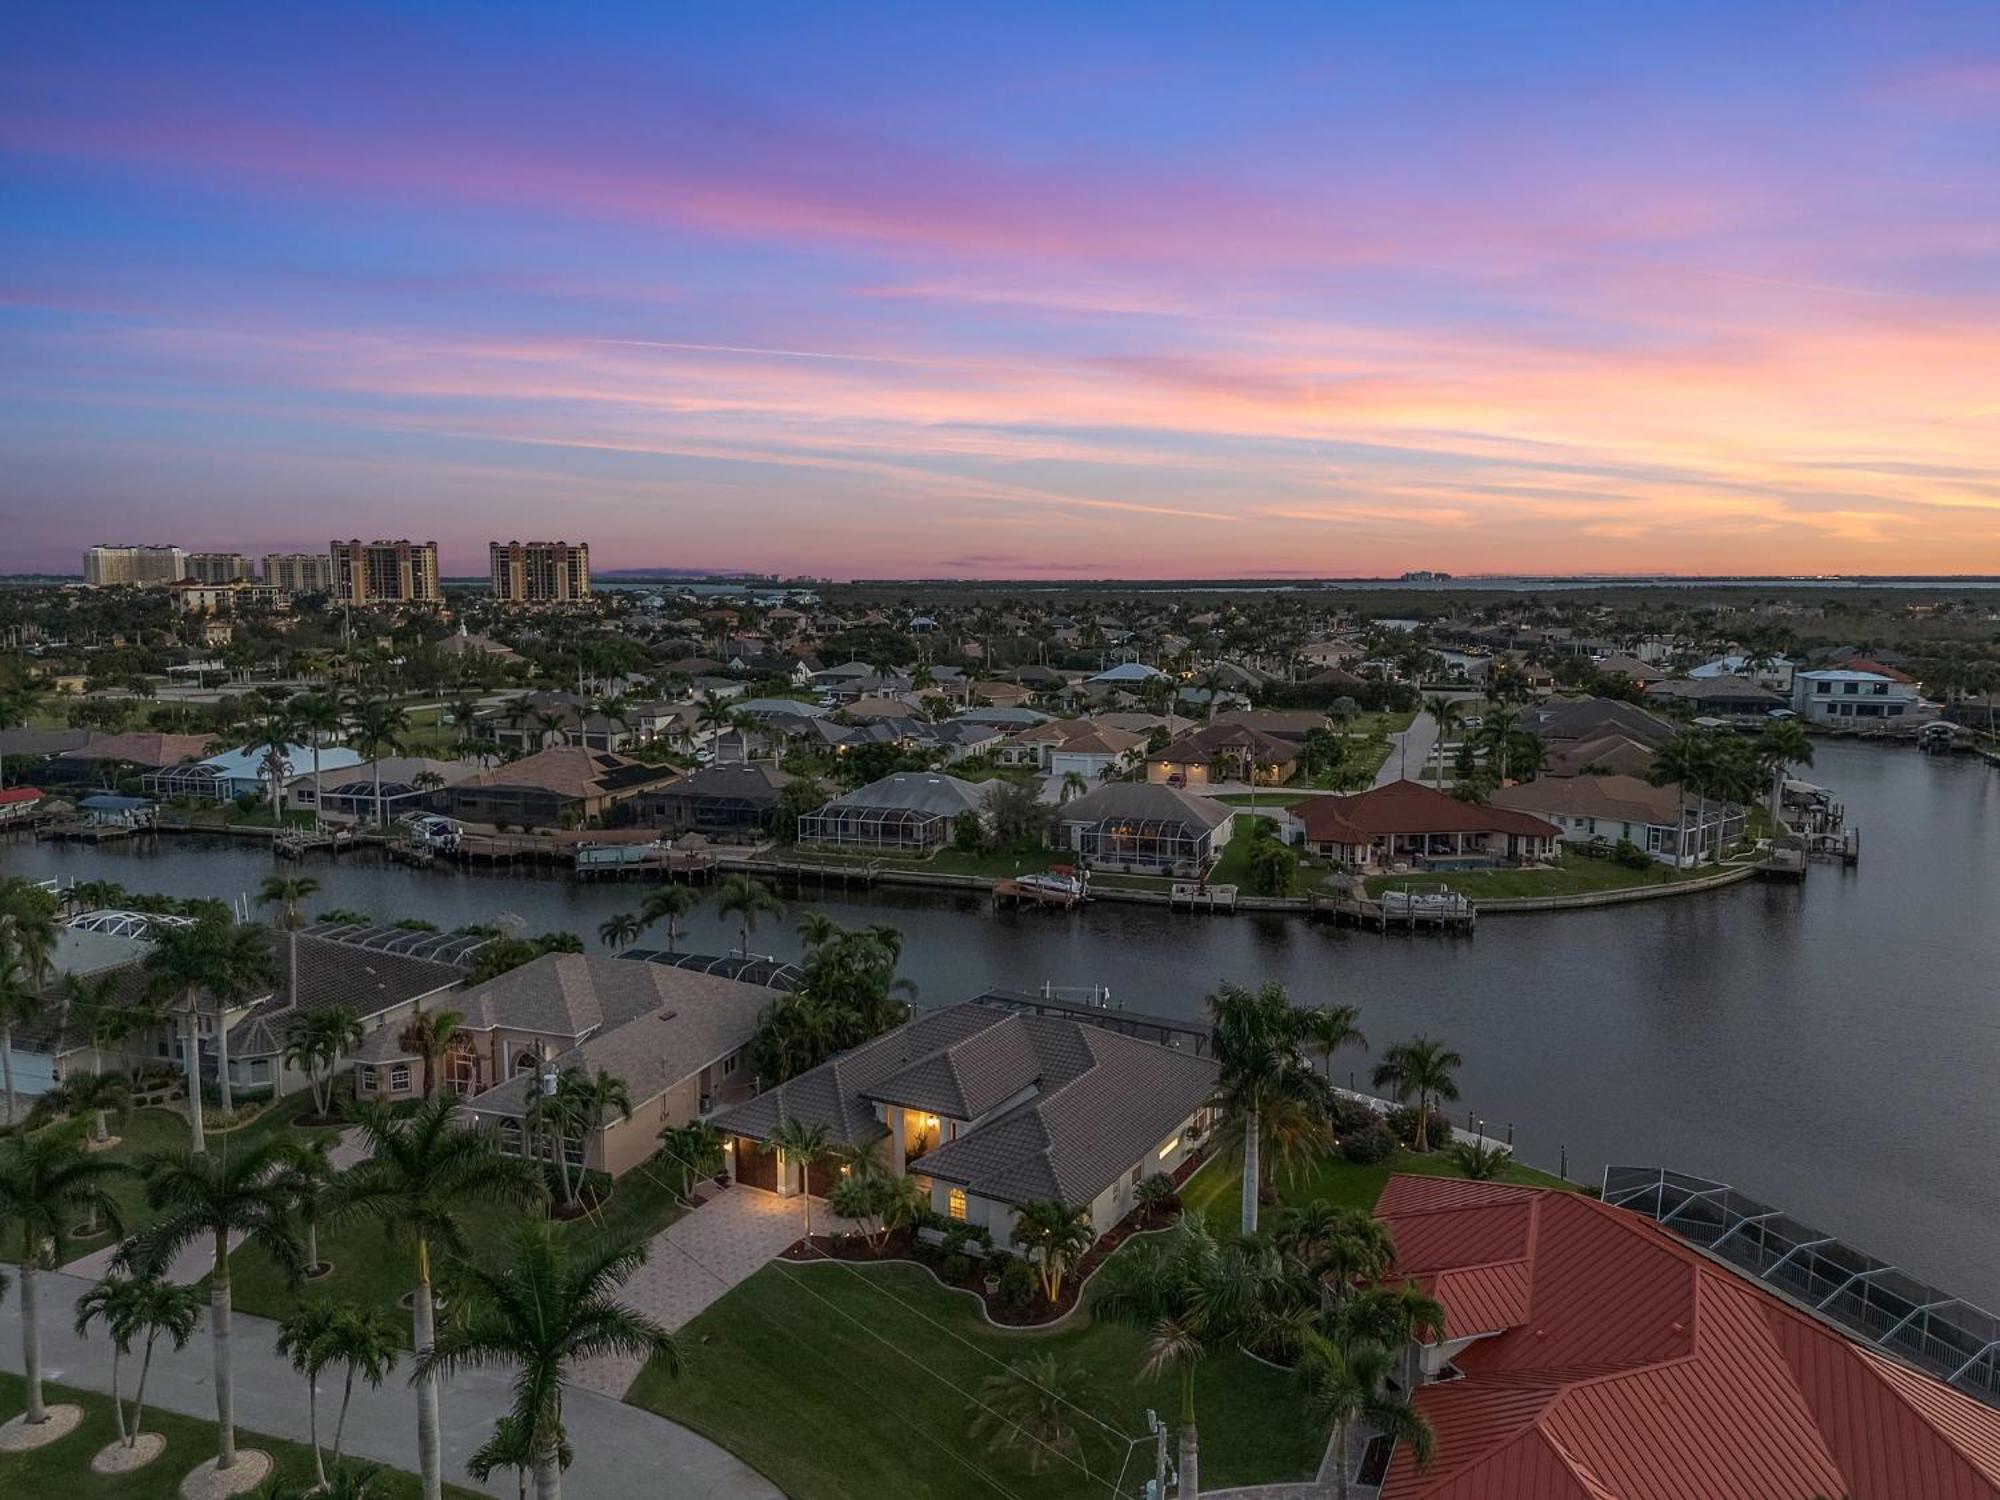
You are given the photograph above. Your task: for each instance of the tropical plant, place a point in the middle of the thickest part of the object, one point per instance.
(808, 1144)
(131, 1307)
(97, 1095)
(1422, 1068)
(1346, 1380)
(1333, 1246)
(315, 1045)
(286, 892)
(1055, 1237)
(423, 1171)
(1783, 744)
(619, 930)
(379, 728)
(582, 1104)
(1325, 1029)
(1190, 1298)
(48, 1180)
(364, 1342)
(302, 1339)
(349, 1482)
(228, 963)
(1266, 1088)
(315, 716)
(27, 959)
(747, 900)
(269, 739)
(429, 1034)
(695, 1149)
(231, 1196)
(1445, 712)
(552, 1302)
(1480, 1163)
(669, 903)
(1028, 1412)
(1156, 1193)
(309, 1179)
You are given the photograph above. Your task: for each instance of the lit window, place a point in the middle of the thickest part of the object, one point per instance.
(955, 1204)
(1169, 1149)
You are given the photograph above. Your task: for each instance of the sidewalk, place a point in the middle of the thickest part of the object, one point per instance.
(620, 1450)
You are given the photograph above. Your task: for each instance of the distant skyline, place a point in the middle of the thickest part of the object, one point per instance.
(1269, 290)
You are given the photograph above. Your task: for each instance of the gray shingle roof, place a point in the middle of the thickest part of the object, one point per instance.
(1139, 800)
(917, 791)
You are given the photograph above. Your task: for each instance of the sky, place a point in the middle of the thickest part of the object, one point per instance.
(1021, 291)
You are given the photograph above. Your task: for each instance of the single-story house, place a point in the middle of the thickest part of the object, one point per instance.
(564, 784)
(1280, 723)
(1587, 1352)
(98, 756)
(243, 773)
(1224, 752)
(907, 811)
(410, 783)
(1580, 719)
(1408, 822)
(674, 1036)
(1673, 829)
(1629, 669)
(1610, 754)
(1127, 674)
(1095, 750)
(992, 1109)
(1146, 829)
(722, 801)
(1720, 696)
(1003, 694)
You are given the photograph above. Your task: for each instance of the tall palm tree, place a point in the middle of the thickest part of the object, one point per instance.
(307, 1174)
(302, 1339)
(1264, 1076)
(131, 1306)
(20, 1003)
(232, 1194)
(424, 1170)
(314, 1047)
(98, 1095)
(1682, 763)
(1498, 735)
(269, 738)
(47, 1180)
(1056, 1236)
(808, 1145)
(429, 1034)
(619, 930)
(286, 892)
(28, 927)
(1423, 1068)
(215, 957)
(315, 716)
(379, 729)
(1782, 745)
(553, 1302)
(364, 1341)
(1328, 1028)
(1346, 1379)
(1446, 712)
(1191, 1298)
(747, 899)
(668, 903)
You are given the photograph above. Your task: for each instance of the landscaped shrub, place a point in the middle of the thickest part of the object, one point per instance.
(1631, 856)
(1018, 1286)
(956, 1268)
(1347, 1115)
(1157, 1193)
(1369, 1146)
(1403, 1125)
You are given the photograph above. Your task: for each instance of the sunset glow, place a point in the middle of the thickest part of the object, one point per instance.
(1063, 291)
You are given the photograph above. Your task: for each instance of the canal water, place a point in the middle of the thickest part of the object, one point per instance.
(1831, 1049)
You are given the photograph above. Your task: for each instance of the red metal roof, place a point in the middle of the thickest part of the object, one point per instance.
(14, 794)
(1635, 1368)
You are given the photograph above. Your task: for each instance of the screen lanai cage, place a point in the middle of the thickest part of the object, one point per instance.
(850, 826)
(1879, 1305)
(1144, 844)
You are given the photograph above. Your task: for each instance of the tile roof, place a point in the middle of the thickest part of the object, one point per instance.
(142, 749)
(1590, 718)
(1407, 807)
(572, 771)
(1139, 799)
(1624, 1365)
(1618, 753)
(917, 791)
(1624, 798)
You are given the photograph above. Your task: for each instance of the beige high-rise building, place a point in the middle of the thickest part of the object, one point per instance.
(540, 572)
(400, 572)
(105, 566)
(217, 567)
(293, 573)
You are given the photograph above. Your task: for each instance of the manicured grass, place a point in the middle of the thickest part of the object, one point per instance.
(1575, 875)
(844, 1382)
(63, 1468)
(375, 1269)
(1217, 1190)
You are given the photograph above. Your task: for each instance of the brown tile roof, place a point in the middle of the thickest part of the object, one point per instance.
(139, 748)
(1203, 745)
(573, 771)
(1407, 807)
(1623, 798)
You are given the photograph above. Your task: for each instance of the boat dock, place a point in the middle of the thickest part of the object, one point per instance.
(1427, 908)
(1189, 895)
(1020, 894)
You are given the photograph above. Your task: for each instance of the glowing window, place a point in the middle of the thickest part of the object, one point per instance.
(955, 1204)
(1168, 1149)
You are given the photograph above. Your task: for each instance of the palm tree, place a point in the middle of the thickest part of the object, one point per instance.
(696, 1148)
(619, 931)
(808, 1145)
(226, 961)
(1073, 785)
(366, 1342)
(47, 1180)
(308, 1176)
(748, 899)
(423, 1171)
(379, 728)
(1028, 1411)
(1446, 712)
(1191, 1298)
(669, 903)
(20, 1003)
(98, 1095)
(1346, 1377)
(1498, 734)
(552, 1303)
(314, 1047)
(579, 1105)
(269, 738)
(315, 715)
(233, 1194)
(28, 928)
(354, 1482)
(1421, 1067)
(131, 1306)
(1056, 1236)
(286, 892)
(1339, 1248)
(1782, 745)
(1328, 1028)
(1265, 1079)
(430, 1036)
(302, 1340)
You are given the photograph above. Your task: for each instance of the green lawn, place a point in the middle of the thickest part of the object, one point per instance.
(373, 1269)
(842, 1382)
(1576, 874)
(1217, 1190)
(63, 1468)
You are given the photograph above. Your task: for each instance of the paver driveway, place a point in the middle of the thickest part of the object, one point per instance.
(694, 1261)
